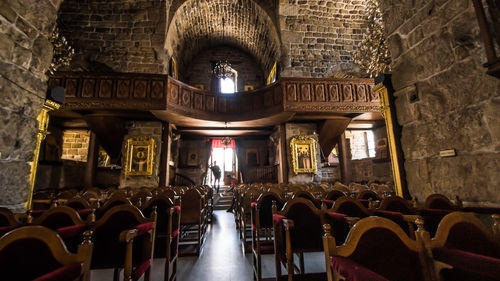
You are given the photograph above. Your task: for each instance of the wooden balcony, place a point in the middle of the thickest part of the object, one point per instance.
(171, 100)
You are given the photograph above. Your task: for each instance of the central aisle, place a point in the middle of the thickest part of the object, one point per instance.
(221, 258)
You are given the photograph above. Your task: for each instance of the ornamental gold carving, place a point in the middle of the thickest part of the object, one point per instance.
(303, 152)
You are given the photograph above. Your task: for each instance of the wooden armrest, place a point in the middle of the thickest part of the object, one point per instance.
(128, 235)
(288, 223)
(352, 220)
(412, 218)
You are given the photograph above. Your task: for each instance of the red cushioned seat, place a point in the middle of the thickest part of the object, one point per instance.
(71, 231)
(5, 229)
(144, 227)
(469, 262)
(352, 271)
(68, 272)
(266, 247)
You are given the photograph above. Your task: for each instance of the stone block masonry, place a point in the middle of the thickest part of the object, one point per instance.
(120, 35)
(75, 145)
(200, 70)
(444, 99)
(320, 36)
(25, 55)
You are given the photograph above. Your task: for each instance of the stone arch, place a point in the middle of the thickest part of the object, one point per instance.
(197, 24)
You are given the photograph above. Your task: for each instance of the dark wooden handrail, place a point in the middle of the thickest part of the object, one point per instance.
(262, 174)
(182, 180)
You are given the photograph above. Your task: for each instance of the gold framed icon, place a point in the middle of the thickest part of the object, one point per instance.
(140, 156)
(303, 150)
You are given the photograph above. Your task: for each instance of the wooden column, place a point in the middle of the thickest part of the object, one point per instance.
(345, 162)
(166, 143)
(283, 168)
(92, 159)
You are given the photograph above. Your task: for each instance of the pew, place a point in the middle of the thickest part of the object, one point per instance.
(38, 253)
(377, 249)
(469, 249)
(124, 238)
(262, 223)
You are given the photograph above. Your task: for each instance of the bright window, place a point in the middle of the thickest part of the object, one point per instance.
(227, 85)
(362, 144)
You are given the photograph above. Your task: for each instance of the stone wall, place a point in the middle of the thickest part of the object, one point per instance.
(75, 145)
(368, 169)
(186, 146)
(143, 128)
(320, 36)
(197, 25)
(444, 99)
(119, 35)
(25, 55)
(200, 70)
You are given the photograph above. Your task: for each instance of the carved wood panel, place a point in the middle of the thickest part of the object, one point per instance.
(157, 89)
(291, 92)
(88, 88)
(140, 89)
(319, 92)
(210, 103)
(198, 101)
(305, 92)
(71, 87)
(123, 90)
(186, 98)
(106, 88)
(173, 94)
(333, 93)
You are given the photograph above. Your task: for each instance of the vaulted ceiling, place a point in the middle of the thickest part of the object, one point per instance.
(197, 25)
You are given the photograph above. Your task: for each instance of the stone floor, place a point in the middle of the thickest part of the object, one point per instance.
(221, 258)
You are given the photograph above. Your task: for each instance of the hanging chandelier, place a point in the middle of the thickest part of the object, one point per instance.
(223, 68)
(226, 141)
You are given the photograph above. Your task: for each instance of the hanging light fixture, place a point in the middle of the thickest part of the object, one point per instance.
(222, 68)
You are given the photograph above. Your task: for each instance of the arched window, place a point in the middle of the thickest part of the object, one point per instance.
(228, 84)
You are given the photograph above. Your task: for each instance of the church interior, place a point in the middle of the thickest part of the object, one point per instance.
(354, 140)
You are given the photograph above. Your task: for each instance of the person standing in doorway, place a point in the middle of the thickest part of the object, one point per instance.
(217, 174)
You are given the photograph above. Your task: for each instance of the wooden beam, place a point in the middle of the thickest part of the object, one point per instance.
(110, 131)
(166, 144)
(329, 131)
(92, 159)
(344, 159)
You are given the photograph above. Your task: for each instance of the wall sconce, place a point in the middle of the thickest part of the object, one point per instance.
(490, 33)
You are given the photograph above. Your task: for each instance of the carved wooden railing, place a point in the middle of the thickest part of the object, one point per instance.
(261, 174)
(161, 94)
(129, 91)
(190, 101)
(328, 94)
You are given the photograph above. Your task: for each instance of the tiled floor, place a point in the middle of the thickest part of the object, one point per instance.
(221, 258)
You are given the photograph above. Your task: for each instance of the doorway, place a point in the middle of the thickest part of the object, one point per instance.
(224, 155)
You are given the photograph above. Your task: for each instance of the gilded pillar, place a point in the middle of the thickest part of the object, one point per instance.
(43, 124)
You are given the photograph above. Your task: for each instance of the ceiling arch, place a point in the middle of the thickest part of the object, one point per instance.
(197, 25)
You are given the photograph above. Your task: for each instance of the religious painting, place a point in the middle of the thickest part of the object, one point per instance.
(381, 148)
(193, 158)
(247, 88)
(140, 156)
(252, 157)
(303, 150)
(104, 159)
